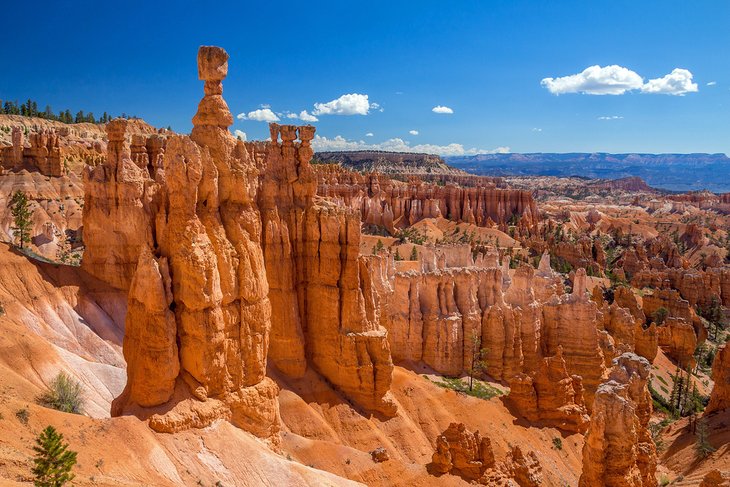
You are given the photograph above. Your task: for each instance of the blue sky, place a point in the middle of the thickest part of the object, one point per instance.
(485, 60)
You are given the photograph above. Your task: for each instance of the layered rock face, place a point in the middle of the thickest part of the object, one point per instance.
(551, 350)
(394, 204)
(619, 450)
(720, 397)
(187, 246)
(323, 309)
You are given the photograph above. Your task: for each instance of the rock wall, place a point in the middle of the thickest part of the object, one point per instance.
(120, 203)
(395, 204)
(618, 450)
(323, 311)
(43, 153)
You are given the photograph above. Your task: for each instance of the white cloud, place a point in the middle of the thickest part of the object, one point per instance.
(260, 115)
(678, 82)
(307, 117)
(442, 109)
(369, 134)
(339, 143)
(304, 115)
(413, 132)
(617, 80)
(536, 129)
(240, 134)
(596, 80)
(712, 83)
(350, 104)
(376, 106)
(611, 117)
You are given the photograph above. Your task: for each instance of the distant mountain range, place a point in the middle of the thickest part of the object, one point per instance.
(387, 162)
(674, 172)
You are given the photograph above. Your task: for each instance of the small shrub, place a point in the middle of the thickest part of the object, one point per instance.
(478, 389)
(63, 394)
(558, 443)
(22, 414)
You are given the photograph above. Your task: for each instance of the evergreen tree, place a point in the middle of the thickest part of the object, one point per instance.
(53, 461)
(79, 117)
(703, 446)
(414, 254)
(21, 215)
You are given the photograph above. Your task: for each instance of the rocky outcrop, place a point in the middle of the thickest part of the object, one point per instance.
(394, 205)
(551, 396)
(698, 287)
(319, 285)
(619, 450)
(461, 452)
(720, 396)
(716, 478)
(678, 340)
(198, 320)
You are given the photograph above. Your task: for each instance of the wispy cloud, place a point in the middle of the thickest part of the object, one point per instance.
(369, 134)
(339, 143)
(536, 129)
(610, 117)
(413, 132)
(712, 83)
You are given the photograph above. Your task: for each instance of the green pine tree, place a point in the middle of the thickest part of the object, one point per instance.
(53, 461)
(414, 254)
(22, 216)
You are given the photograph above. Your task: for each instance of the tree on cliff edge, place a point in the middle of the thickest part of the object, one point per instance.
(477, 364)
(21, 215)
(53, 461)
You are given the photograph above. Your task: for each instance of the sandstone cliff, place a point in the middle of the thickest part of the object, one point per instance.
(323, 313)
